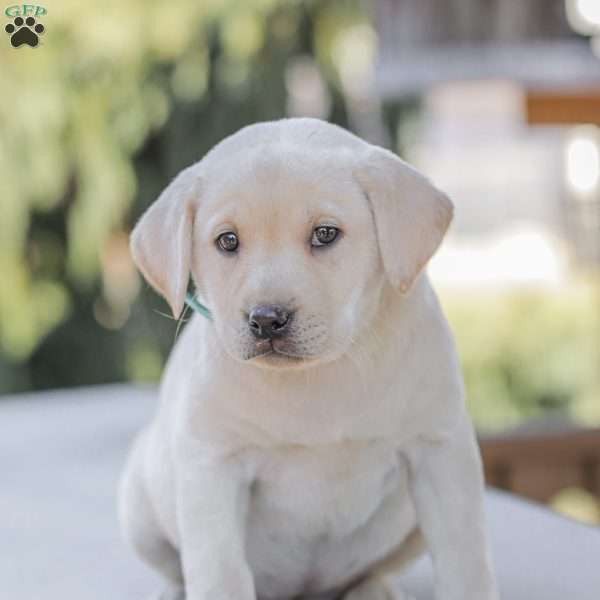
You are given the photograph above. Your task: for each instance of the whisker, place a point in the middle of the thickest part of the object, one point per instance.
(181, 320)
(163, 314)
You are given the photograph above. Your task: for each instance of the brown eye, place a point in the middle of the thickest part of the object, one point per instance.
(228, 241)
(323, 235)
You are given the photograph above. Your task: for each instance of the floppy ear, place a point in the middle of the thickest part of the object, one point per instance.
(161, 242)
(411, 215)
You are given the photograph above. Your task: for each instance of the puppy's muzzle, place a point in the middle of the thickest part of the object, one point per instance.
(269, 321)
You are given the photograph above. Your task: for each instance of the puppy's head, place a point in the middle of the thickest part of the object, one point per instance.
(290, 230)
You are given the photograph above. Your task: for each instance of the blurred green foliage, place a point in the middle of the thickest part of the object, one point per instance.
(115, 101)
(94, 122)
(529, 354)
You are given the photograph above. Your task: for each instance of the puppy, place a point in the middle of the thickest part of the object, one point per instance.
(311, 439)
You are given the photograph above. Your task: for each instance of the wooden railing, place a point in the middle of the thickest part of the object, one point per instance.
(538, 465)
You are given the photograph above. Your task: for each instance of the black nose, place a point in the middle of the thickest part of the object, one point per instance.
(267, 321)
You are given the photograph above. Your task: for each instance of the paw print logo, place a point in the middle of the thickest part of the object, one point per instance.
(24, 31)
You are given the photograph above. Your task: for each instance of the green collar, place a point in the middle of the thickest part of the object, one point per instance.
(193, 303)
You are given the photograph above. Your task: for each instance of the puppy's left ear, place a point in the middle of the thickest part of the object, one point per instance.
(411, 215)
(161, 242)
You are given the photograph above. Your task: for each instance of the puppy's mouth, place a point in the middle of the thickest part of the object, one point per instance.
(276, 352)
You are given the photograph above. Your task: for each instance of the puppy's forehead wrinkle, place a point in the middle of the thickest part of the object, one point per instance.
(279, 173)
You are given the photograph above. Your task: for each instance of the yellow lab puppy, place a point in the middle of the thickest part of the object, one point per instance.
(313, 434)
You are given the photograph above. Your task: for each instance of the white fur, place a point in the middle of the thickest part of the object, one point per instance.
(320, 470)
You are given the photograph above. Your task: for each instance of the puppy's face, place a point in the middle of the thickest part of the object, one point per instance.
(285, 255)
(290, 229)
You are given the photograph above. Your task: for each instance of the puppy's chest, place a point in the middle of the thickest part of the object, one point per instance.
(327, 491)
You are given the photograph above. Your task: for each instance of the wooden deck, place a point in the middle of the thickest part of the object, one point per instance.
(539, 464)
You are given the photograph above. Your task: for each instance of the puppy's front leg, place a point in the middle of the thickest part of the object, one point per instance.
(211, 513)
(447, 486)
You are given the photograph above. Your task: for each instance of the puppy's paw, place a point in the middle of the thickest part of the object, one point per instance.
(376, 589)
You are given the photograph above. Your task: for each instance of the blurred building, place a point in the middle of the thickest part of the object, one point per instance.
(511, 89)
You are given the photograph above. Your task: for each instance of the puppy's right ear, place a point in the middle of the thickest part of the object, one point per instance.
(161, 242)
(411, 215)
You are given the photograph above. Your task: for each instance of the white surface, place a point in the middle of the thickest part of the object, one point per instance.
(60, 457)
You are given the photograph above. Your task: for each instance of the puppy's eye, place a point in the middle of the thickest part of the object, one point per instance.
(323, 235)
(228, 241)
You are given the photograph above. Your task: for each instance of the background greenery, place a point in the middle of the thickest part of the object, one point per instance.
(94, 124)
(116, 101)
(529, 355)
